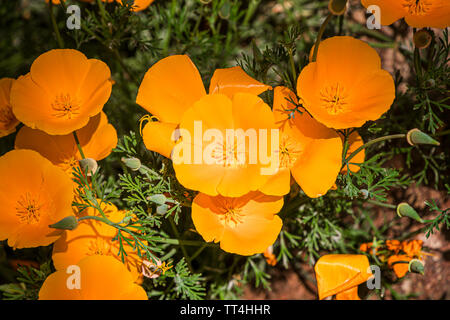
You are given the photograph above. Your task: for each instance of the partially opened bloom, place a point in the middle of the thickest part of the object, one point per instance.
(93, 237)
(224, 145)
(417, 13)
(246, 225)
(173, 85)
(308, 149)
(62, 91)
(340, 275)
(100, 278)
(345, 86)
(34, 194)
(8, 121)
(97, 139)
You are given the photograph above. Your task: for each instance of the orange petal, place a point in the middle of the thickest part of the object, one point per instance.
(232, 80)
(159, 137)
(436, 14)
(390, 11)
(354, 142)
(8, 121)
(350, 294)
(278, 184)
(170, 87)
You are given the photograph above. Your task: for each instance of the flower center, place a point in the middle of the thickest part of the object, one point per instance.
(232, 217)
(65, 106)
(289, 153)
(229, 155)
(28, 209)
(417, 7)
(98, 247)
(334, 99)
(6, 117)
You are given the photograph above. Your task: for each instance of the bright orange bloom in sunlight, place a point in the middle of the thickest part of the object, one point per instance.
(340, 275)
(246, 225)
(97, 139)
(399, 263)
(34, 194)
(346, 86)
(8, 121)
(173, 85)
(417, 13)
(100, 278)
(354, 142)
(61, 92)
(308, 149)
(226, 165)
(93, 237)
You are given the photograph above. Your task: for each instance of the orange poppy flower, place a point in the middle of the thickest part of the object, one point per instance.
(354, 142)
(346, 86)
(412, 248)
(393, 245)
(340, 275)
(399, 263)
(417, 13)
(246, 225)
(365, 247)
(173, 85)
(8, 121)
(308, 150)
(231, 166)
(271, 259)
(95, 238)
(97, 139)
(61, 92)
(36, 195)
(100, 278)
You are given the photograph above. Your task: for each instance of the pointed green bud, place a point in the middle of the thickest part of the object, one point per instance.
(416, 266)
(89, 165)
(337, 7)
(68, 223)
(416, 137)
(132, 163)
(405, 210)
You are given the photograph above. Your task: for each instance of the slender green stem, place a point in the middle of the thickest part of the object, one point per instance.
(55, 25)
(371, 142)
(291, 61)
(183, 249)
(78, 145)
(319, 36)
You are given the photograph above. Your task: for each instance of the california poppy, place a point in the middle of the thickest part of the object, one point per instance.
(340, 275)
(354, 142)
(98, 278)
(417, 13)
(93, 237)
(97, 139)
(308, 149)
(8, 121)
(246, 225)
(37, 195)
(62, 91)
(412, 248)
(345, 86)
(399, 263)
(173, 85)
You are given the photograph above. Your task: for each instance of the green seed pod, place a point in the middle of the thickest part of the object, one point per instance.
(89, 165)
(132, 163)
(68, 223)
(416, 266)
(157, 198)
(405, 210)
(416, 137)
(337, 7)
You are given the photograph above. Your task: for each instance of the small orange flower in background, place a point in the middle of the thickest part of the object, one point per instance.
(399, 263)
(8, 121)
(271, 259)
(412, 248)
(308, 150)
(93, 237)
(393, 245)
(101, 278)
(340, 275)
(246, 225)
(354, 142)
(97, 139)
(138, 5)
(346, 86)
(62, 91)
(34, 194)
(417, 13)
(172, 85)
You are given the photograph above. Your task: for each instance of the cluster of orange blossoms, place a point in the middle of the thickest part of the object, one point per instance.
(398, 254)
(138, 5)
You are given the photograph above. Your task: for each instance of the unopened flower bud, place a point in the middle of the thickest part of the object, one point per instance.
(225, 9)
(405, 210)
(68, 223)
(422, 38)
(158, 198)
(416, 266)
(337, 7)
(132, 163)
(88, 165)
(416, 137)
